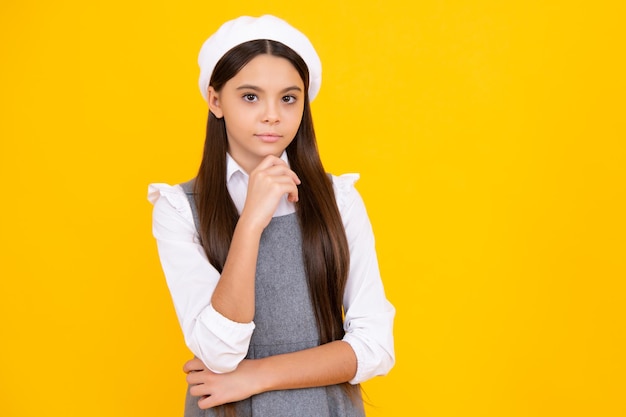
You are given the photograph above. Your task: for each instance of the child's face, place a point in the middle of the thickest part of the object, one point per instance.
(262, 108)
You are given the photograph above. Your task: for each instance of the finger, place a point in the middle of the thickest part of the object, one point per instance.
(276, 165)
(285, 170)
(270, 161)
(279, 171)
(289, 188)
(193, 378)
(194, 364)
(209, 401)
(199, 390)
(286, 186)
(276, 185)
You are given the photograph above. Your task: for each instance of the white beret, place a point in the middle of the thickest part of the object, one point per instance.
(246, 28)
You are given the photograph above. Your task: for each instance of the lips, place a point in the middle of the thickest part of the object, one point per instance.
(268, 137)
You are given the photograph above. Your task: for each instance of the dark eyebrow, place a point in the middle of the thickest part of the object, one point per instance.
(255, 88)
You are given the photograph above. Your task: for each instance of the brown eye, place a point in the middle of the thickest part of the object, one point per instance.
(250, 97)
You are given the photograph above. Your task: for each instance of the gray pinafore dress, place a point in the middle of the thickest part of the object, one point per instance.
(285, 322)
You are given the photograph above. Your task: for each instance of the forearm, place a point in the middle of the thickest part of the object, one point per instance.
(328, 364)
(268, 183)
(234, 294)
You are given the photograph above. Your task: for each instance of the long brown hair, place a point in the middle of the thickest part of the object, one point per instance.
(324, 244)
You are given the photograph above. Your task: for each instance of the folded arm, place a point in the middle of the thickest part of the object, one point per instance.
(328, 364)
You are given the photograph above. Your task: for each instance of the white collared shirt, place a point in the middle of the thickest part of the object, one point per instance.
(221, 343)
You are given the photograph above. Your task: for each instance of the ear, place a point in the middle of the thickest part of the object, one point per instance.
(214, 103)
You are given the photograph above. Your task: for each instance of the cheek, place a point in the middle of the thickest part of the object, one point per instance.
(294, 123)
(296, 116)
(237, 120)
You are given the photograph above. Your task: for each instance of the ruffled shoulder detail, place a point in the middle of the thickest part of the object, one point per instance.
(344, 188)
(173, 194)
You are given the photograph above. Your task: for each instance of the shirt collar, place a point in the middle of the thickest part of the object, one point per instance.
(233, 167)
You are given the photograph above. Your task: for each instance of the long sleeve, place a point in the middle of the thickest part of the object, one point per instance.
(368, 314)
(219, 342)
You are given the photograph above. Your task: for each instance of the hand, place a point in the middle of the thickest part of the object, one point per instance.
(269, 181)
(217, 389)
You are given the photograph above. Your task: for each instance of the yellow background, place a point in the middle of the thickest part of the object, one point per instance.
(490, 140)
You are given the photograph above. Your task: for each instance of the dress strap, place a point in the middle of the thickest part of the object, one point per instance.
(188, 189)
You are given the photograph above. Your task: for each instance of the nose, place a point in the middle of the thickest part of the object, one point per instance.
(270, 114)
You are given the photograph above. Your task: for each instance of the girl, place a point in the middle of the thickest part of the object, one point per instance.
(270, 261)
